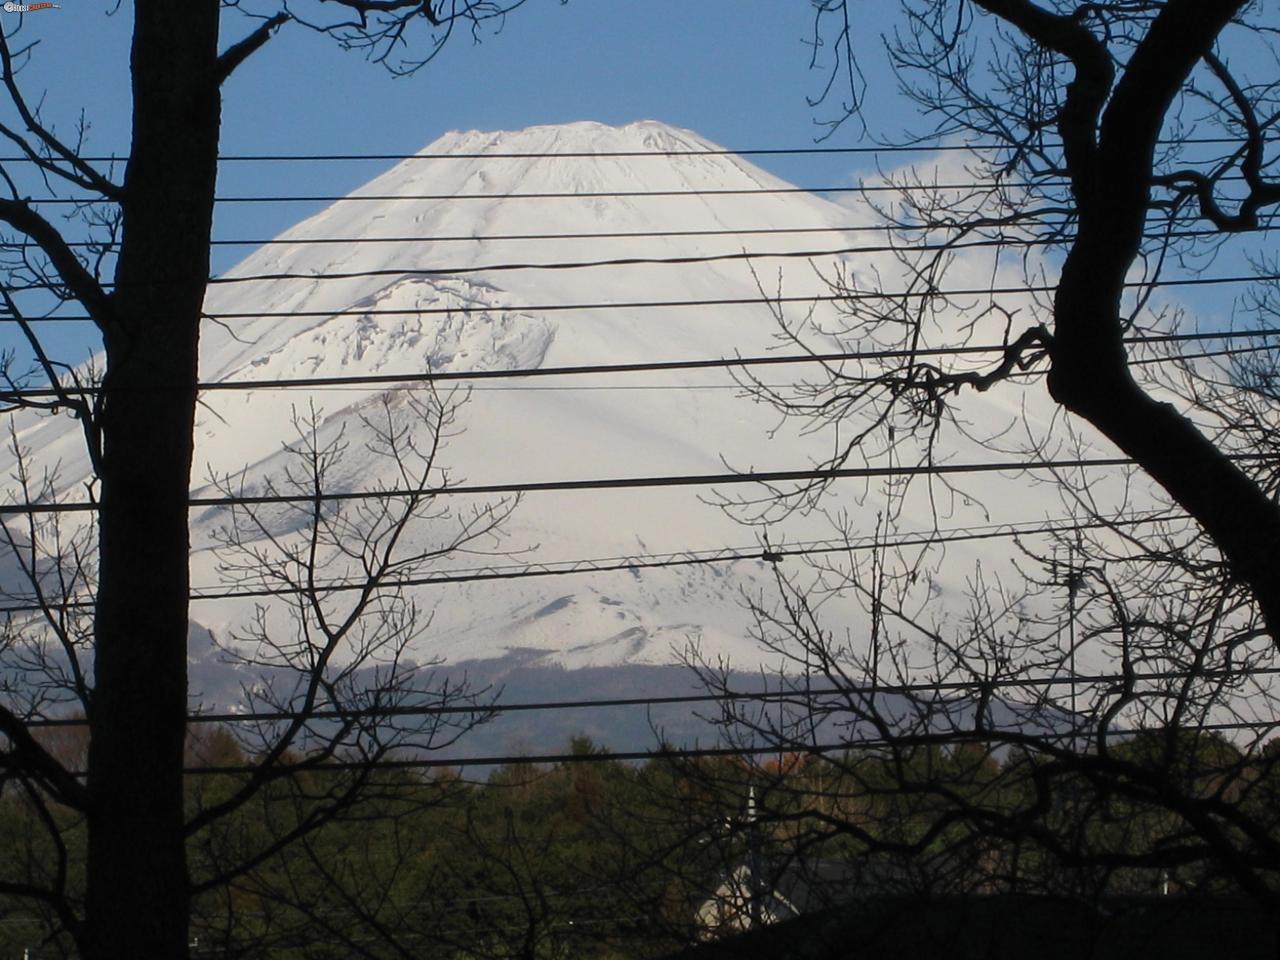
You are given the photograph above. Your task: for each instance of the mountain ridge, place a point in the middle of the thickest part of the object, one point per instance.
(680, 422)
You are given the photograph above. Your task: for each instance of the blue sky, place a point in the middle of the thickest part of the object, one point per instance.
(736, 71)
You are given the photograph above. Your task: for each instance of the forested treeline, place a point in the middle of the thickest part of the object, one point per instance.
(598, 858)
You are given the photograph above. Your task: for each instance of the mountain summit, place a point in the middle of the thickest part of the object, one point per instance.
(475, 255)
(399, 285)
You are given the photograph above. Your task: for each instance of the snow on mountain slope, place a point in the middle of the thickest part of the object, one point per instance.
(402, 294)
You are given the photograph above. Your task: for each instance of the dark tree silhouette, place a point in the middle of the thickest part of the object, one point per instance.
(144, 287)
(1099, 727)
(1129, 138)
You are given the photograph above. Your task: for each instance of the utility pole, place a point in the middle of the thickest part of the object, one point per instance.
(1071, 579)
(755, 885)
(1073, 584)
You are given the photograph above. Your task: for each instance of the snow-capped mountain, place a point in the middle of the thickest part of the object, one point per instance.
(399, 286)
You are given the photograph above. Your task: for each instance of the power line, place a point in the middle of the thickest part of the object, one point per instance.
(634, 194)
(784, 694)
(790, 746)
(990, 186)
(576, 194)
(443, 376)
(807, 149)
(425, 763)
(660, 366)
(578, 154)
(678, 260)
(1198, 355)
(986, 735)
(673, 260)
(620, 483)
(1266, 224)
(846, 296)
(852, 296)
(637, 562)
(610, 483)
(810, 149)
(564, 265)
(508, 237)
(741, 388)
(777, 388)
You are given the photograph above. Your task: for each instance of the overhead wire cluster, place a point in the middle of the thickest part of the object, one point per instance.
(407, 379)
(761, 553)
(853, 296)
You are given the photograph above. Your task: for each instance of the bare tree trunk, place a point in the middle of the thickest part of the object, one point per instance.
(1111, 172)
(137, 896)
(1242, 520)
